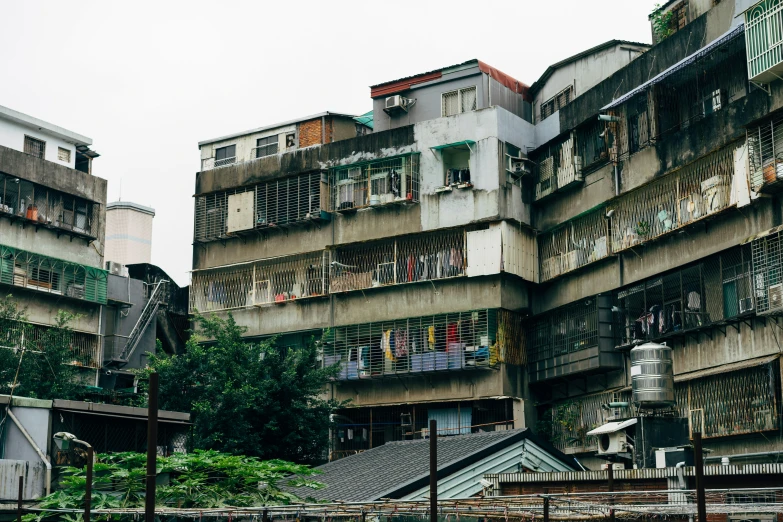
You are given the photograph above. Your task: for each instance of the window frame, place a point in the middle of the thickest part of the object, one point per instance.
(64, 154)
(553, 104)
(31, 140)
(275, 140)
(459, 92)
(219, 149)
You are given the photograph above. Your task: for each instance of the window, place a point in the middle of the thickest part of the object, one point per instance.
(459, 101)
(34, 147)
(63, 154)
(290, 140)
(557, 102)
(267, 146)
(225, 155)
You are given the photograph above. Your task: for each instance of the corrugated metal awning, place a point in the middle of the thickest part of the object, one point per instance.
(611, 427)
(727, 37)
(455, 144)
(725, 368)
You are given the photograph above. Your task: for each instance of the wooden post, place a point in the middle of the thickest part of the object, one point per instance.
(88, 486)
(698, 459)
(434, 470)
(546, 505)
(152, 448)
(19, 502)
(610, 488)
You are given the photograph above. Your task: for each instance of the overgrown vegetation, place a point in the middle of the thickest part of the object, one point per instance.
(255, 399)
(41, 367)
(661, 22)
(202, 479)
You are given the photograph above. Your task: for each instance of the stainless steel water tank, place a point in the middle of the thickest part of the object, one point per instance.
(652, 376)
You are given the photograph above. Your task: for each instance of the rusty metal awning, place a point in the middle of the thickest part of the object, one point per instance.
(725, 368)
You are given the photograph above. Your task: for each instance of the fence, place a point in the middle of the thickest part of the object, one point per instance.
(471, 340)
(274, 203)
(577, 243)
(33, 203)
(406, 260)
(375, 183)
(260, 283)
(767, 253)
(567, 329)
(51, 275)
(84, 347)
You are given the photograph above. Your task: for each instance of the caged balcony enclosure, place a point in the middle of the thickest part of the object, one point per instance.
(85, 348)
(375, 183)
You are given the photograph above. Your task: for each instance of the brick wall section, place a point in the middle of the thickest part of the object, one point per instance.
(310, 132)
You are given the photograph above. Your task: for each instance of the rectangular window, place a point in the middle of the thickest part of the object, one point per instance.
(266, 146)
(458, 101)
(34, 147)
(63, 154)
(557, 102)
(225, 155)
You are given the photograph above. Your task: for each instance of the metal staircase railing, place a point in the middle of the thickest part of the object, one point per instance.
(150, 309)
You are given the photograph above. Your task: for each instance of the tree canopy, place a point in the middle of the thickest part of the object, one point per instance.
(248, 398)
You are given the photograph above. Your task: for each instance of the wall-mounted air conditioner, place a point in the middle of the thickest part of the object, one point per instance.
(396, 103)
(612, 443)
(745, 305)
(776, 297)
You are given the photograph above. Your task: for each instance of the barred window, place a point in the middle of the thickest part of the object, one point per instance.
(459, 101)
(225, 155)
(266, 146)
(34, 147)
(557, 102)
(63, 154)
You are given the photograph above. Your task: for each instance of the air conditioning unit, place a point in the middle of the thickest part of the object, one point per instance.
(114, 268)
(776, 296)
(745, 305)
(396, 103)
(520, 167)
(612, 443)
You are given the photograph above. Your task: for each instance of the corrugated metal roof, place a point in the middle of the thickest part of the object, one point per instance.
(611, 427)
(728, 36)
(725, 368)
(635, 474)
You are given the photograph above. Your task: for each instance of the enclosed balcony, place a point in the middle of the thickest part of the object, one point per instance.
(85, 347)
(559, 166)
(51, 275)
(376, 183)
(764, 41)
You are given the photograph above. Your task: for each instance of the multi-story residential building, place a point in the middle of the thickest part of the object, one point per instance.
(128, 233)
(52, 221)
(470, 266)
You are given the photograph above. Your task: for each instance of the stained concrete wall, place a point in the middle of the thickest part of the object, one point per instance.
(42, 308)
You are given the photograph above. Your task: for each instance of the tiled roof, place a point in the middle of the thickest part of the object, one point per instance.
(395, 468)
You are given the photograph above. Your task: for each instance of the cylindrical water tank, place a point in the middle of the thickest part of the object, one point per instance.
(652, 376)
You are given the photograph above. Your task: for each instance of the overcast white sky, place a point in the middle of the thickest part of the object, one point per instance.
(148, 80)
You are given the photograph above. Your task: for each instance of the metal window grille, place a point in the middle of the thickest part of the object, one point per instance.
(359, 429)
(260, 283)
(394, 180)
(225, 156)
(767, 258)
(696, 191)
(86, 348)
(557, 102)
(30, 202)
(565, 330)
(558, 167)
(63, 154)
(277, 203)
(458, 101)
(572, 419)
(265, 147)
(764, 37)
(447, 342)
(765, 154)
(34, 147)
(591, 140)
(577, 243)
(406, 260)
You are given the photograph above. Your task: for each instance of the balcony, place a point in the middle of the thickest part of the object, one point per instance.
(31, 204)
(573, 339)
(474, 340)
(51, 275)
(558, 167)
(574, 244)
(375, 184)
(257, 208)
(764, 41)
(767, 254)
(85, 348)
(272, 281)
(765, 155)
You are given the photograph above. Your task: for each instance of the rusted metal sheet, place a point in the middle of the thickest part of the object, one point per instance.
(34, 474)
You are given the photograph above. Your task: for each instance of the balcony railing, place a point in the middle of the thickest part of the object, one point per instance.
(40, 206)
(767, 253)
(559, 167)
(407, 260)
(85, 348)
(764, 40)
(574, 244)
(51, 275)
(376, 183)
(269, 205)
(224, 162)
(472, 340)
(765, 154)
(260, 283)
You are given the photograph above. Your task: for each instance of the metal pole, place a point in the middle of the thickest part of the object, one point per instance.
(698, 459)
(546, 505)
(610, 487)
(152, 448)
(19, 503)
(433, 470)
(88, 486)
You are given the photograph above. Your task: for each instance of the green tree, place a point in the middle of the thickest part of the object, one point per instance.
(36, 366)
(246, 398)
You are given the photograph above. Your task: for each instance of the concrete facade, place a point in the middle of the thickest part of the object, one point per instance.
(128, 233)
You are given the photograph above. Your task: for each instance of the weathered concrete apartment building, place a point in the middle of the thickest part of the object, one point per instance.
(490, 252)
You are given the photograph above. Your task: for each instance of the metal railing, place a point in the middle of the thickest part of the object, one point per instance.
(225, 162)
(567, 329)
(574, 244)
(765, 154)
(85, 348)
(150, 309)
(764, 37)
(559, 167)
(376, 183)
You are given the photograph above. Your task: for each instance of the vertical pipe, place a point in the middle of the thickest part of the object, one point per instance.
(610, 488)
(88, 486)
(698, 459)
(152, 448)
(370, 433)
(546, 505)
(19, 501)
(434, 470)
